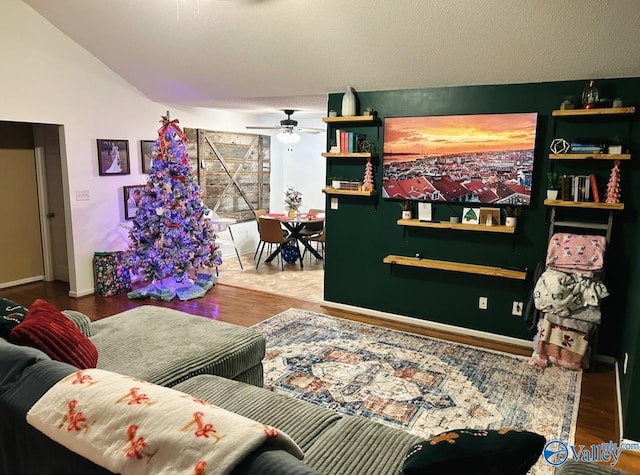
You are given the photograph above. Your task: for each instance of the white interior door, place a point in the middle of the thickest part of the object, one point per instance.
(47, 144)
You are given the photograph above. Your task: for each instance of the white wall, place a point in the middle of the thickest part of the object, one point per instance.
(47, 78)
(300, 166)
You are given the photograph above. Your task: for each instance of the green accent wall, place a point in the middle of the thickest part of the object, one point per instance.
(363, 230)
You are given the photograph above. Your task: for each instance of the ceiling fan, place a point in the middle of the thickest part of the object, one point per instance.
(289, 130)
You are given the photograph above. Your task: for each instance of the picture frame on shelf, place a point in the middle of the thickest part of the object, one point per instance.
(146, 154)
(113, 157)
(424, 212)
(470, 216)
(132, 195)
(490, 216)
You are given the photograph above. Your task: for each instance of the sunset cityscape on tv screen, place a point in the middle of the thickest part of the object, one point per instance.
(485, 158)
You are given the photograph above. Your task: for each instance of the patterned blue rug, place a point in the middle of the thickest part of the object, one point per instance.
(419, 384)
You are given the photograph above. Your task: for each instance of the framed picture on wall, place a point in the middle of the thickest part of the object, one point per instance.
(132, 200)
(146, 152)
(113, 157)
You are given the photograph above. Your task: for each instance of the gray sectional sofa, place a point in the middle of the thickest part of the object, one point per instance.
(214, 361)
(211, 360)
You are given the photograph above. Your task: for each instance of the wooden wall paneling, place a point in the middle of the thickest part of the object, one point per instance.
(233, 170)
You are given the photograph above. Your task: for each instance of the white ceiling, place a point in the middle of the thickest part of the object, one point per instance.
(266, 55)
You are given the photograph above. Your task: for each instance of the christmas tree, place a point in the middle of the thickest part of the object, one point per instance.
(368, 176)
(613, 187)
(170, 236)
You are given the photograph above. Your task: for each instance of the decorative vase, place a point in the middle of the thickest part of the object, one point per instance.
(590, 95)
(511, 221)
(552, 194)
(406, 215)
(349, 103)
(292, 213)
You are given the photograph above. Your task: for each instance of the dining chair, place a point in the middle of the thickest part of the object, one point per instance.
(319, 240)
(258, 213)
(313, 229)
(271, 233)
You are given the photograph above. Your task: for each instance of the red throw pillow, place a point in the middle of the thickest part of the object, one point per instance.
(46, 328)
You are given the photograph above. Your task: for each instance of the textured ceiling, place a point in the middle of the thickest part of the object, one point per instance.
(264, 55)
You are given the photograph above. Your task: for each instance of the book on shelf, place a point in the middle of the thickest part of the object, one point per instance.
(586, 148)
(577, 188)
(593, 179)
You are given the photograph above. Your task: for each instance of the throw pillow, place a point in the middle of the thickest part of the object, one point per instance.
(481, 452)
(46, 328)
(11, 314)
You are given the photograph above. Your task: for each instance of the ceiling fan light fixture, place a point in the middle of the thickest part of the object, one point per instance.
(288, 137)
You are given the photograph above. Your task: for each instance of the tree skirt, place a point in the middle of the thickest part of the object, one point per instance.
(418, 384)
(170, 288)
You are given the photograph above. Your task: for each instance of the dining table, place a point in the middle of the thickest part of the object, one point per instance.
(295, 225)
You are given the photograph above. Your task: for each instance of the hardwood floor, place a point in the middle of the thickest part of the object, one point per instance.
(597, 417)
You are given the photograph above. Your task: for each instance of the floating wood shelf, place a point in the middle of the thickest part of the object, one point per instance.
(603, 111)
(459, 226)
(589, 156)
(455, 267)
(334, 191)
(348, 155)
(351, 119)
(584, 204)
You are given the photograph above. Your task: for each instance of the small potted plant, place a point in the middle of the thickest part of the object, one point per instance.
(511, 213)
(554, 181)
(292, 201)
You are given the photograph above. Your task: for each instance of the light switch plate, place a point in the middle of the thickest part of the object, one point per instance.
(83, 195)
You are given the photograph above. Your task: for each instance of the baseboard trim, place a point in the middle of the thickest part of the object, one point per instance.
(619, 400)
(448, 328)
(431, 325)
(27, 280)
(82, 293)
(628, 442)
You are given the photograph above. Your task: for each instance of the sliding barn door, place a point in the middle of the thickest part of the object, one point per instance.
(233, 170)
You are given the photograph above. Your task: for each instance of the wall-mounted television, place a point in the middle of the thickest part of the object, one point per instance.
(482, 158)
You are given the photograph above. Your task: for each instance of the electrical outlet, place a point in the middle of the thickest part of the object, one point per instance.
(516, 309)
(483, 303)
(82, 195)
(334, 203)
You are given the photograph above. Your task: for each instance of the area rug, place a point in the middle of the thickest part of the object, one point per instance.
(418, 384)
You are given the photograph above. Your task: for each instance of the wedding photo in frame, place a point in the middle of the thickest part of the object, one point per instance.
(146, 152)
(132, 199)
(113, 157)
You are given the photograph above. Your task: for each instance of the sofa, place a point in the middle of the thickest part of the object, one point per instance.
(220, 364)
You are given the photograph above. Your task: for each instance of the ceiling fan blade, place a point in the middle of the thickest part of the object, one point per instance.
(307, 130)
(265, 127)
